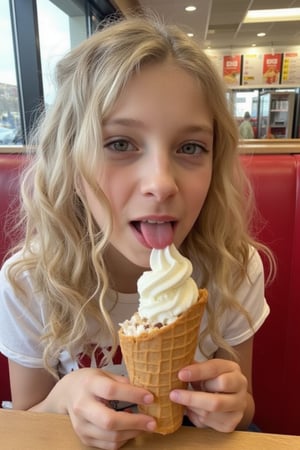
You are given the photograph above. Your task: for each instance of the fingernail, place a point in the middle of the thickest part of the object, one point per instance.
(185, 375)
(174, 395)
(148, 398)
(151, 425)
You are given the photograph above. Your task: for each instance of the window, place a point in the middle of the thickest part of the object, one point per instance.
(68, 29)
(10, 129)
(42, 31)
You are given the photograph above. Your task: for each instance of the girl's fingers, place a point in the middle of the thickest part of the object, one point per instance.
(211, 402)
(196, 400)
(215, 376)
(108, 387)
(115, 377)
(207, 370)
(223, 422)
(90, 434)
(106, 419)
(230, 382)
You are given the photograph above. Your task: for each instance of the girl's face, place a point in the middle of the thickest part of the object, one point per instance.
(158, 149)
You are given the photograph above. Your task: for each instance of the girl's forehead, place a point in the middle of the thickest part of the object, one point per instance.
(164, 89)
(162, 78)
(163, 98)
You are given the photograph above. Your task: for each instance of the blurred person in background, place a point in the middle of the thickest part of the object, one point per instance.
(245, 129)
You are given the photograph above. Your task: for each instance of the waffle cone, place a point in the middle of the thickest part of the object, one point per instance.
(153, 360)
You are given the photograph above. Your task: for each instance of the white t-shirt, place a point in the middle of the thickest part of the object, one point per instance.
(23, 320)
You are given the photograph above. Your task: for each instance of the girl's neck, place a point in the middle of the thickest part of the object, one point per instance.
(123, 273)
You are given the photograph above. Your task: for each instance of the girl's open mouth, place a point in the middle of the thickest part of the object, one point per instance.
(156, 233)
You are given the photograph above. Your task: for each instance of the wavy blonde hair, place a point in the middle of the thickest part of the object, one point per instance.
(63, 247)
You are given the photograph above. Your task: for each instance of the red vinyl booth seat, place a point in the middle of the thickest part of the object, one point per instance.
(276, 366)
(10, 165)
(276, 369)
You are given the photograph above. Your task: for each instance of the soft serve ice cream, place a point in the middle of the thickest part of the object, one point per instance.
(165, 292)
(161, 337)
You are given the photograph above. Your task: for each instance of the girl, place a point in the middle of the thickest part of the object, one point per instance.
(138, 151)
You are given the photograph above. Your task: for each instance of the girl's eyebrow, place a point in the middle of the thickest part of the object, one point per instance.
(198, 129)
(125, 122)
(128, 122)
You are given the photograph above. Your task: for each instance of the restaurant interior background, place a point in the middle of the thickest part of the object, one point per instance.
(262, 73)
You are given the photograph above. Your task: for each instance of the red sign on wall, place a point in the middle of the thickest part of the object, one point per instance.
(271, 68)
(232, 69)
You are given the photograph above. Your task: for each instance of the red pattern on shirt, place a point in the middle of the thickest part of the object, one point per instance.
(84, 360)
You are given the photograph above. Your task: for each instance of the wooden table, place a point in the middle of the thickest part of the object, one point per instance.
(22, 430)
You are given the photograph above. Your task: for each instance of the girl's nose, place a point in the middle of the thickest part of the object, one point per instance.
(159, 179)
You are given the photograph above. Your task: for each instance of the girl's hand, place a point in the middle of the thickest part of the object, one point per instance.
(85, 396)
(219, 398)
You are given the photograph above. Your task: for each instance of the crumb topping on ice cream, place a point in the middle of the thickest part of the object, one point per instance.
(165, 291)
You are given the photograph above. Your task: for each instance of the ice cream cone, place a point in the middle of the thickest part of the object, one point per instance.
(153, 360)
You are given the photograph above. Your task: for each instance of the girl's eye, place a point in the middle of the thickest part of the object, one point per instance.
(192, 148)
(120, 145)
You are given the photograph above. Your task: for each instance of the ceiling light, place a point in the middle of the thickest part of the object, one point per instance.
(190, 8)
(272, 15)
(261, 34)
(190, 34)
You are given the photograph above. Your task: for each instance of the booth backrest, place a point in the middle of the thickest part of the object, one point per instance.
(10, 166)
(276, 368)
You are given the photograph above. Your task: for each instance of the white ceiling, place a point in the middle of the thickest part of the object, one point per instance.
(218, 23)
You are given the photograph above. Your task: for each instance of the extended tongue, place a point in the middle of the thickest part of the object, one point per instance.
(157, 235)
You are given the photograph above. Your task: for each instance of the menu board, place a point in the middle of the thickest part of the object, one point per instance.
(291, 68)
(260, 69)
(257, 68)
(252, 69)
(232, 69)
(271, 68)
